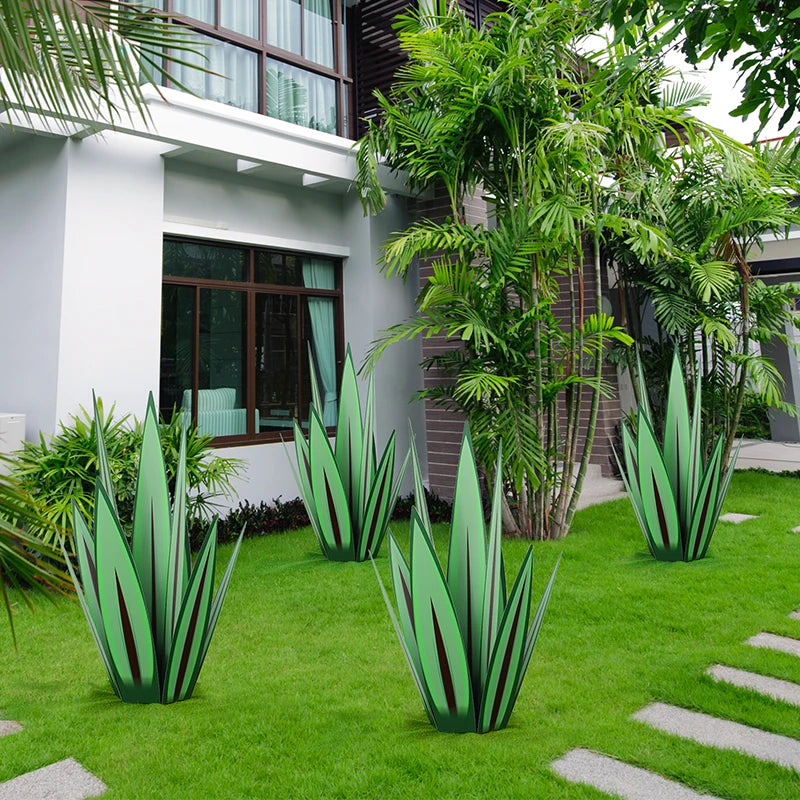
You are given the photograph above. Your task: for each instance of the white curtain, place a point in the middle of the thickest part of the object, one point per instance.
(283, 24)
(236, 81)
(198, 9)
(298, 96)
(318, 32)
(318, 273)
(240, 16)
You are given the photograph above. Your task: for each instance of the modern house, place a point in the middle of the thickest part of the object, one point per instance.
(203, 254)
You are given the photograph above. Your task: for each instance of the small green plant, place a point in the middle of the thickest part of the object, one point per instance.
(348, 493)
(467, 644)
(676, 496)
(62, 469)
(151, 614)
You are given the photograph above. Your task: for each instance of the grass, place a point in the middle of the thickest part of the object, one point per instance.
(305, 692)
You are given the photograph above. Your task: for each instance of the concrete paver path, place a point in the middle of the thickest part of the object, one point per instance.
(64, 780)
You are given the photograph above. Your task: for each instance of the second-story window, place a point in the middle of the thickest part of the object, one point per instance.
(288, 59)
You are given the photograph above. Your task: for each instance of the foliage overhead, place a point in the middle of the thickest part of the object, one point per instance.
(71, 60)
(762, 37)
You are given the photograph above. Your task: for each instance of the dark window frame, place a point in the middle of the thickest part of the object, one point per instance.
(342, 72)
(252, 289)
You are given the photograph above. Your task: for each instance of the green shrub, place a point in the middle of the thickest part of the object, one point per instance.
(60, 469)
(754, 421)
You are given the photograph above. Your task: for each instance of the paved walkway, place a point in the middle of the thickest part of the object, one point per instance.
(633, 783)
(64, 780)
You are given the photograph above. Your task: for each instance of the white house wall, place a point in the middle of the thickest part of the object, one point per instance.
(33, 179)
(83, 223)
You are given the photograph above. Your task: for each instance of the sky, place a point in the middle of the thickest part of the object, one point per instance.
(720, 84)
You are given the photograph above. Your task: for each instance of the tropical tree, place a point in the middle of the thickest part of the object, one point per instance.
(548, 136)
(715, 205)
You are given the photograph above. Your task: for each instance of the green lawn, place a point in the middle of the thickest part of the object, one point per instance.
(306, 694)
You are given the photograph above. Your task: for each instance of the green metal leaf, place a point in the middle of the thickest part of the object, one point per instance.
(703, 520)
(316, 396)
(125, 622)
(191, 627)
(494, 592)
(330, 498)
(103, 469)
(420, 503)
(401, 583)
(658, 502)
(630, 477)
(677, 435)
(302, 477)
(726, 481)
(694, 465)
(87, 597)
(216, 609)
(350, 435)
(391, 504)
(533, 631)
(178, 565)
(377, 511)
(150, 543)
(441, 649)
(506, 660)
(367, 456)
(466, 563)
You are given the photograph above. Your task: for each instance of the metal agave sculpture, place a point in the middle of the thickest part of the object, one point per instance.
(467, 644)
(677, 498)
(348, 493)
(151, 614)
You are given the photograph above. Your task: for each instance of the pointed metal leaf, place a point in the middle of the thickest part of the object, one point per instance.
(349, 435)
(377, 511)
(466, 563)
(677, 435)
(441, 649)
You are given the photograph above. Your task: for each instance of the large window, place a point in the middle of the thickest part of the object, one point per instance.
(237, 327)
(288, 59)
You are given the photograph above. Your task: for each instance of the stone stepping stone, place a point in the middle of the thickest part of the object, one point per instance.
(722, 733)
(771, 641)
(736, 519)
(771, 687)
(794, 615)
(7, 727)
(64, 780)
(620, 779)
(796, 530)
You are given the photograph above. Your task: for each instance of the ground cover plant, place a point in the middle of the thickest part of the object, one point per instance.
(677, 494)
(152, 614)
(306, 669)
(467, 643)
(349, 494)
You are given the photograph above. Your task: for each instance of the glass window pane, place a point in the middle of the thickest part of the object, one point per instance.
(177, 332)
(235, 82)
(283, 25)
(299, 96)
(211, 262)
(277, 396)
(222, 347)
(240, 16)
(198, 9)
(318, 31)
(281, 269)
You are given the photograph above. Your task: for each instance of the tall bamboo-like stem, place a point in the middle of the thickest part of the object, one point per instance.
(598, 374)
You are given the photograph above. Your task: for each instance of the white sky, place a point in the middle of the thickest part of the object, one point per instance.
(720, 84)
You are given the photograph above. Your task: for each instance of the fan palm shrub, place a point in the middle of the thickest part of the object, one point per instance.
(27, 563)
(151, 613)
(349, 494)
(468, 645)
(676, 495)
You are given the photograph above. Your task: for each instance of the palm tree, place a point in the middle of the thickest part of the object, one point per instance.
(70, 59)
